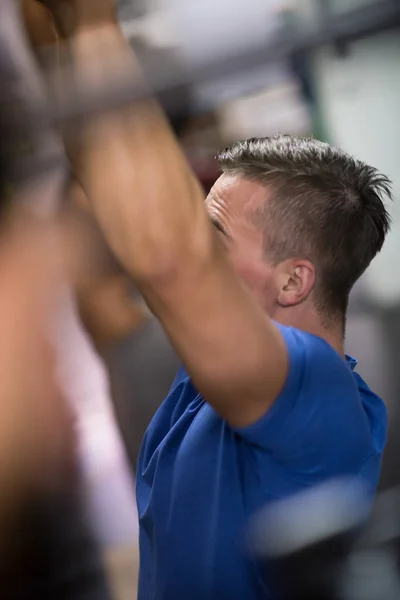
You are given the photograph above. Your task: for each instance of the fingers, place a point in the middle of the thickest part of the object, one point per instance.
(73, 15)
(39, 23)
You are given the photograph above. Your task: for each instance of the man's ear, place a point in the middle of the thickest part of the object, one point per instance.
(296, 280)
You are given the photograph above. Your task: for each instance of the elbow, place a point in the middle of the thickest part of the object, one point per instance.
(157, 269)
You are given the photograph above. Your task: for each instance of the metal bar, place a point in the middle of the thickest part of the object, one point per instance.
(351, 26)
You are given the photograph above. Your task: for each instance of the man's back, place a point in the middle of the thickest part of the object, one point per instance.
(200, 480)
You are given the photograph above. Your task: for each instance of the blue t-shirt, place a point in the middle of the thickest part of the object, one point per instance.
(199, 480)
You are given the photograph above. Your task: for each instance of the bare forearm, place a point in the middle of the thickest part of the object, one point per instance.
(142, 191)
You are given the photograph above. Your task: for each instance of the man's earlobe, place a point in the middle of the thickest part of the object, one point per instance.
(289, 297)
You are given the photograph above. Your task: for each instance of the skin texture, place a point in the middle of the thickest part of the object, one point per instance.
(213, 294)
(285, 291)
(230, 205)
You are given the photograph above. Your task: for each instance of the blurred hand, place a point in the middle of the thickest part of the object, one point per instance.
(71, 16)
(38, 23)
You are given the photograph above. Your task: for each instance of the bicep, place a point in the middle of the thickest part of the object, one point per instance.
(234, 354)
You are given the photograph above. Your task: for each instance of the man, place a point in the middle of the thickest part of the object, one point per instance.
(252, 289)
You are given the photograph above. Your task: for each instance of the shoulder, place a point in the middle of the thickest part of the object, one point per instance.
(319, 421)
(307, 345)
(320, 381)
(314, 365)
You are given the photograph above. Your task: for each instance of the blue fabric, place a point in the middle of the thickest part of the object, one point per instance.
(199, 480)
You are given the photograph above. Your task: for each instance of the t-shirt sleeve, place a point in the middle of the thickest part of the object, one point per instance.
(318, 417)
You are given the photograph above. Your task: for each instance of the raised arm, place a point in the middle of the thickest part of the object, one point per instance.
(151, 210)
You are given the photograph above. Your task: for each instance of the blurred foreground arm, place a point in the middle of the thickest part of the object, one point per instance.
(36, 442)
(107, 309)
(105, 300)
(151, 210)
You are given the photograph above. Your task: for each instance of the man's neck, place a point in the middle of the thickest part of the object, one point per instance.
(310, 321)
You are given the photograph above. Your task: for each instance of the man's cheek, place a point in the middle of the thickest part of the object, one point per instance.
(246, 270)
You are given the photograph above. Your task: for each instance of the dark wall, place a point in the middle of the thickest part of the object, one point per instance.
(141, 368)
(374, 338)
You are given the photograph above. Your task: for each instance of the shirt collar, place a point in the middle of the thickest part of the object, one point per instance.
(351, 361)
